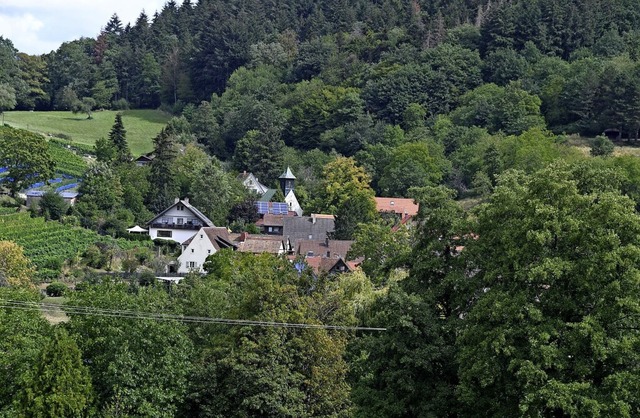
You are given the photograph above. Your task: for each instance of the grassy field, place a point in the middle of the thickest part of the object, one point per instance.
(141, 125)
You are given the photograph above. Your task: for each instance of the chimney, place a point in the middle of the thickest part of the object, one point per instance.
(186, 200)
(313, 218)
(177, 200)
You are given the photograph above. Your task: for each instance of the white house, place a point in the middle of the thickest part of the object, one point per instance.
(195, 250)
(292, 201)
(178, 222)
(251, 182)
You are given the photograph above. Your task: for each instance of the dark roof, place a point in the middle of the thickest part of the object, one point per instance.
(336, 248)
(307, 227)
(288, 175)
(219, 237)
(206, 221)
(146, 158)
(267, 196)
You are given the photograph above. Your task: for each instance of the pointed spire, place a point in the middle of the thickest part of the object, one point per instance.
(288, 175)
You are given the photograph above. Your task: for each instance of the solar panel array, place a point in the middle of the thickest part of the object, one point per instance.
(274, 208)
(279, 208)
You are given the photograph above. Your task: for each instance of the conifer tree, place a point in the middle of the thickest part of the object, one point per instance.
(118, 136)
(164, 187)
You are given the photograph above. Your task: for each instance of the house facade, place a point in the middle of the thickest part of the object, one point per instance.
(178, 222)
(205, 242)
(251, 182)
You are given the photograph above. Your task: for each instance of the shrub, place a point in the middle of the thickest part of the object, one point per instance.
(120, 104)
(57, 289)
(147, 278)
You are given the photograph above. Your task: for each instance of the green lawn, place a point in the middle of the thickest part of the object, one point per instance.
(141, 125)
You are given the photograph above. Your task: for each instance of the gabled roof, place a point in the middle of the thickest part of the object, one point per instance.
(328, 265)
(145, 158)
(398, 205)
(218, 236)
(258, 244)
(271, 220)
(287, 175)
(250, 181)
(267, 196)
(302, 227)
(313, 248)
(206, 221)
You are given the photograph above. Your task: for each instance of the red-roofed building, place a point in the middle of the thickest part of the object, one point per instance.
(400, 206)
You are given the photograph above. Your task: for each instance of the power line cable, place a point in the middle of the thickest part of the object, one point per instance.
(129, 314)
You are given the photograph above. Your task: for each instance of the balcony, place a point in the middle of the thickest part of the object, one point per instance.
(187, 226)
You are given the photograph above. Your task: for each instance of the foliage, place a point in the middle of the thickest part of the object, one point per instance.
(16, 269)
(23, 333)
(57, 289)
(526, 337)
(284, 372)
(137, 366)
(58, 383)
(341, 180)
(41, 242)
(163, 188)
(601, 146)
(118, 137)
(27, 157)
(66, 160)
(52, 206)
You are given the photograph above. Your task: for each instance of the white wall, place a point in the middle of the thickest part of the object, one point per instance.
(177, 235)
(197, 251)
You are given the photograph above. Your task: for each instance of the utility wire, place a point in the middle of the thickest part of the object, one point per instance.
(123, 313)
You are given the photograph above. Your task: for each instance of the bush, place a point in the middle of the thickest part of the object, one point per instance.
(147, 278)
(120, 104)
(57, 289)
(82, 286)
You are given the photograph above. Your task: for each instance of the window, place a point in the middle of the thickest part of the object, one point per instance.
(180, 206)
(191, 264)
(192, 250)
(270, 229)
(165, 234)
(201, 236)
(180, 221)
(208, 251)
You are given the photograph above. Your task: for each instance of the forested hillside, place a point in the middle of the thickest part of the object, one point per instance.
(573, 54)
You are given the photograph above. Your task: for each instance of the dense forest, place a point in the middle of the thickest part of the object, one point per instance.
(515, 291)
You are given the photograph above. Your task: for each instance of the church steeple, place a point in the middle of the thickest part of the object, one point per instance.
(287, 181)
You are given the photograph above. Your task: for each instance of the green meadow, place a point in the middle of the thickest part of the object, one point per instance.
(141, 125)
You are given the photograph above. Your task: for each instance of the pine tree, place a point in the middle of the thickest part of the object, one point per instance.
(118, 136)
(164, 187)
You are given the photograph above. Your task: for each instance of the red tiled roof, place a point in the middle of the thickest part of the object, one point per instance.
(401, 206)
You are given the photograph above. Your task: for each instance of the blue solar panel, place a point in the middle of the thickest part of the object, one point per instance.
(263, 207)
(280, 208)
